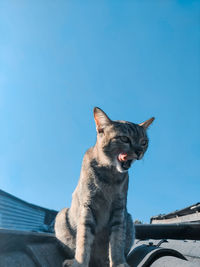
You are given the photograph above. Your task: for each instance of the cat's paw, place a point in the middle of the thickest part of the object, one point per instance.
(76, 264)
(67, 263)
(123, 265)
(72, 263)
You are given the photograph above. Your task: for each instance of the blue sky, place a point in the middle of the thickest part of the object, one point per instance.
(134, 59)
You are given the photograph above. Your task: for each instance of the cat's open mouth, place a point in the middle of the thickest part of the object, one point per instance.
(127, 164)
(124, 161)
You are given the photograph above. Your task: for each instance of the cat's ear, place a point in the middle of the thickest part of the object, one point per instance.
(147, 123)
(101, 119)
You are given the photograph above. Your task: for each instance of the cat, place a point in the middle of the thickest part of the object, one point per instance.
(97, 230)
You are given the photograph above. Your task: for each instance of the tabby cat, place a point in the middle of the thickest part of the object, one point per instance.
(97, 230)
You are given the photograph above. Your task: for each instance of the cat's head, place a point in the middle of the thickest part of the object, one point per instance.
(120, 143)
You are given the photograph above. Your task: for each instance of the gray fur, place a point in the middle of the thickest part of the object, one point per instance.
(97, 230)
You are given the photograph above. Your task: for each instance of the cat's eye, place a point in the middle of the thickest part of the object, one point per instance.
(124, 139)
(144, 143)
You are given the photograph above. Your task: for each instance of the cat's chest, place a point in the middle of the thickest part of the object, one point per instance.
(103, 205)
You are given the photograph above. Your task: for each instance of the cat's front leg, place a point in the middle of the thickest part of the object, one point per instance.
(117, 238)
(84, 237)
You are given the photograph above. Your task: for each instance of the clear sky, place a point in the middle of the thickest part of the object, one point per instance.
(134, 59)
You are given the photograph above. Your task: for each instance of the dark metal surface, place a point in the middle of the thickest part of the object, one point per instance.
(168, 231)
(28, 249)
(144, 255)
(190, 249)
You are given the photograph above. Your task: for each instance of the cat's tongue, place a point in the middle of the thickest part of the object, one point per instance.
(122, 157)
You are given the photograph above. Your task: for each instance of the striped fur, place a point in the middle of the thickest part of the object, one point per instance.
(97, 230)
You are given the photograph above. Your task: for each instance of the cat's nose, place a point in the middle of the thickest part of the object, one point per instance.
(138, 152)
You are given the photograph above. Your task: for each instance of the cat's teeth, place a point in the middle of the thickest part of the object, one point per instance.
(122, 157)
